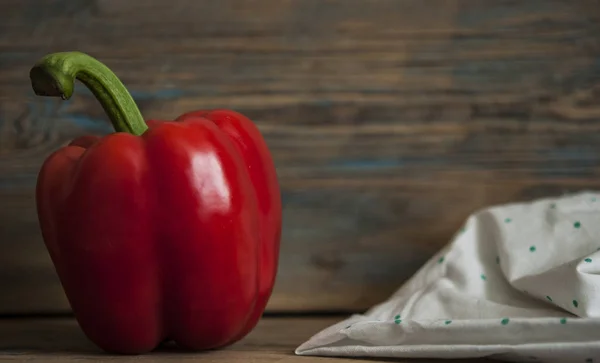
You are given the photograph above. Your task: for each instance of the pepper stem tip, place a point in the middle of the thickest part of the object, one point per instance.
(54, 76)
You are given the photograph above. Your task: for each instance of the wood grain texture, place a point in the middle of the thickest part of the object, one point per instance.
(273, 340)
(389, 121)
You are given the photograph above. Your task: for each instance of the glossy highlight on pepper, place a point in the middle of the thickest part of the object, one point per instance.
(163, 230)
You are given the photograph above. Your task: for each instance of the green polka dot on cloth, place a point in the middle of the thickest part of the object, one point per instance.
(575, 303)
(397, 319)
(563, 321)
(532, 249)
(448, 322)
(505, 321)
(483, 277)
(588, 260)
(549, 298)
(577, 224)
(553, 206)
(507, 220)
(441, 259)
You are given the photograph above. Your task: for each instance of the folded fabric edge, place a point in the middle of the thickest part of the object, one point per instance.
(456, 351)
(331, 334)
(334, 334)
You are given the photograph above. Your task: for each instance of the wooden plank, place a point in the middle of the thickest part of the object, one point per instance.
(389, 121)
(273, 340)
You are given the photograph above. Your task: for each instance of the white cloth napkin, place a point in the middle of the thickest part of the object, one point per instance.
(518, 282)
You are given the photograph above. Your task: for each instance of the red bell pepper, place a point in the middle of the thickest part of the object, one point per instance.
(163, 230)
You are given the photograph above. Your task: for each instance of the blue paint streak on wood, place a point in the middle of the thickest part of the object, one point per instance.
(581, 77)
(382, 164)
(367, 164)
(576, 153)
(324, 103)
(486, 13)
(285, 197)
(499, 73)
(165, 94)
(570, 161)
(474, 17)
(479, 69)
(90, 124)
(139, 95)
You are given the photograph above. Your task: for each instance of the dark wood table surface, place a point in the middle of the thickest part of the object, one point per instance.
(60, 340)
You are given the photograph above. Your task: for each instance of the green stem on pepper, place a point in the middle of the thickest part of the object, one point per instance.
(54, 75)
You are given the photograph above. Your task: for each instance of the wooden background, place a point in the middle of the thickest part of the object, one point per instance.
(390, 121)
